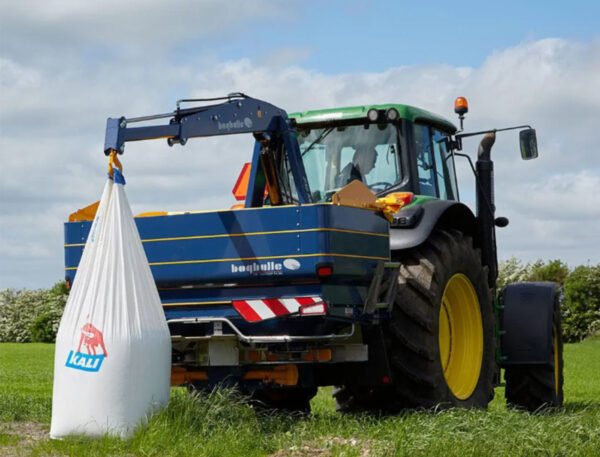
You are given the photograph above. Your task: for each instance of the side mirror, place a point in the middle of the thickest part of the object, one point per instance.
(528, 142)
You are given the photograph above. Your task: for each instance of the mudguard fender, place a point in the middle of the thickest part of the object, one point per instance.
(444, 213)
(527, 323)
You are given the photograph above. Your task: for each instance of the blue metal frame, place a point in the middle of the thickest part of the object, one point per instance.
(239, 114)
(221, 255)
(250, 246)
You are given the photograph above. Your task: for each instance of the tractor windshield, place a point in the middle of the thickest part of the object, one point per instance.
(333, 157)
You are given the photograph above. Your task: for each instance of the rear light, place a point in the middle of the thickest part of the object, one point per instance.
(317, 309)
(326, 270)
(68, 282)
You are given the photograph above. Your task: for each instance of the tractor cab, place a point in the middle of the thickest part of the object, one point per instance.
(390, 148)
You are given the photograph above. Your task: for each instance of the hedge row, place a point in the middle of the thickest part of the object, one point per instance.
(31, 315)
(34, 315)
(579, 292)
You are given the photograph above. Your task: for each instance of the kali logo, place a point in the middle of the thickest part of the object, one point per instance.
(91, 339)
(248, 122)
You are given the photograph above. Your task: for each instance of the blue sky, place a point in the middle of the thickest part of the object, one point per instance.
(67, 65)
(349, 36)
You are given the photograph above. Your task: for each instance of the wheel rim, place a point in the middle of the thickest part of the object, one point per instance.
(460, 336)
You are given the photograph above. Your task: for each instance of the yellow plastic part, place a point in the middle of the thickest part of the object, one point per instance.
(113, 161)
(85, 214)
(358, 195)
(460, 336)
(392, 203)
(153, 214)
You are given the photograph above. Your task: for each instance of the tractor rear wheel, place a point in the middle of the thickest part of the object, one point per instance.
(440, 339)
(534, 387)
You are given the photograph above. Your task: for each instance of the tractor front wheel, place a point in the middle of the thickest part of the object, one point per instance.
(539, 386)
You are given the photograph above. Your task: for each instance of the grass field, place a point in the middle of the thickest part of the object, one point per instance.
(221, 425)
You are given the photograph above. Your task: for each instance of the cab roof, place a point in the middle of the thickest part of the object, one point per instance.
(407, 112)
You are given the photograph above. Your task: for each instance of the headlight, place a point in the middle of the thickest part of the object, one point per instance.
(392, 114)
(372, 114)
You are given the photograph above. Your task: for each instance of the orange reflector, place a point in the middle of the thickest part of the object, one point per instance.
(262, 356)
(180, 376)
(254, 356)
(285, 375)
(240, 189)
(461, 106)
(317, 355)
(241, 185)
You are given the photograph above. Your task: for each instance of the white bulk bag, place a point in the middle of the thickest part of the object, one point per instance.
(113, 349)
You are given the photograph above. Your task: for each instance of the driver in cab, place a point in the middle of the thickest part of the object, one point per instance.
(363, 161)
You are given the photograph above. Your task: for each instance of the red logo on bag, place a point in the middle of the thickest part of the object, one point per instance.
(91, 338)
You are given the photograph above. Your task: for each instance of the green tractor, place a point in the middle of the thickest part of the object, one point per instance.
(449, 334)
(351, 263)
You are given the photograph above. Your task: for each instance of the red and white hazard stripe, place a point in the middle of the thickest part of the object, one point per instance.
(268, 308)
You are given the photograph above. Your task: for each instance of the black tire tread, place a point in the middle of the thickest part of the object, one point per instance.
(532, 387)
(412, 332)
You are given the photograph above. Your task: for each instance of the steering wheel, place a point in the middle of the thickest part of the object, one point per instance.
(383, 184)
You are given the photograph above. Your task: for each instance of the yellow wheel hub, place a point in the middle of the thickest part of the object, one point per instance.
(460, 336)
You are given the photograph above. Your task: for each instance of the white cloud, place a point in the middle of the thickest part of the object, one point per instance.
(52, 120)
(54, 31)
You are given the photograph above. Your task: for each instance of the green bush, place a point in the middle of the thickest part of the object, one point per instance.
(31, 315)
(511, 270)
(581, 304)
(42, 329)
(579, 292)
(553, 271)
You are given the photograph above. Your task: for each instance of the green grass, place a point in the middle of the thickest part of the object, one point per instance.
(220, 424)
(26, 381)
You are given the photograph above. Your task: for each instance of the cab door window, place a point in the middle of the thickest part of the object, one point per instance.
(444, 167)
(425, 161)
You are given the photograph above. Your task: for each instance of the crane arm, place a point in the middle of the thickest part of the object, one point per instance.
(238, 114)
